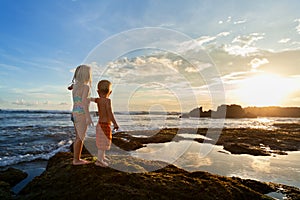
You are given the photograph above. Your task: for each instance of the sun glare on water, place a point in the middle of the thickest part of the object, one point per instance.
(265, 90)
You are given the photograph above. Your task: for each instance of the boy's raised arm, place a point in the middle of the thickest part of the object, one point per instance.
(93, 99)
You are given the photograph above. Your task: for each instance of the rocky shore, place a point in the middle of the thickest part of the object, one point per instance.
(8, 179)
(235, 140)
(62, 180)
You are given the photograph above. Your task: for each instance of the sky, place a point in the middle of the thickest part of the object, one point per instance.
(168, 55)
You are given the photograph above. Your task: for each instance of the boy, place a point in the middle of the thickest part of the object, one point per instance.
(106, 117)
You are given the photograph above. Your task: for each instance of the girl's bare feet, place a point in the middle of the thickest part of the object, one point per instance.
(101, 163)
(80, 162)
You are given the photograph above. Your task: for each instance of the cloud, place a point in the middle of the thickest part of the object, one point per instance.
(165, 71)
(40, 92)
(232, 81)
(141, 69)
(229, 20)
(167, 25)
(40, 104)
(98, 69)
(235, 76)
(234, 58)
(190, 69)
(195, 43)
(22, 102)
(39, 97)
(223, 34)
(205, 39)
(228, 59)
(298, 26)
(198, 43)
(296, 43)
(284, 40)
(240, 50)
(235, 62)
(243, 45)
(239, 22)
(145, 65)
(247, 40)
(256, 62)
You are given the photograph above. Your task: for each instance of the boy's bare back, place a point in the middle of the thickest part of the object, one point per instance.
(104, 109)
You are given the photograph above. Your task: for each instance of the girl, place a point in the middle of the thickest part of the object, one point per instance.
(106, 117)
(81, 118)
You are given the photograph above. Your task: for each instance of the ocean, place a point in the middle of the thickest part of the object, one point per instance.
(28, 136)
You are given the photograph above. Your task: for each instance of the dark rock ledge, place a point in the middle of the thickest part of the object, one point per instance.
(62, 180)
(8, 179)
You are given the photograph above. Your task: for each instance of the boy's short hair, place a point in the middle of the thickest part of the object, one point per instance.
(104, 86)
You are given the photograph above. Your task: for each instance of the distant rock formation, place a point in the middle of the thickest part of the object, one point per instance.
(236, 111)
(274, 111)
(233, 111)
(198, 112)
(223, 111)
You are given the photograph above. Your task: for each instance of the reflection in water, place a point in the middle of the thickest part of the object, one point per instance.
(192, 160)
(261, 165)
(168, 152)
(194, 156)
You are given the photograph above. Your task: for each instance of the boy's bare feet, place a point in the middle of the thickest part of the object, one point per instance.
(80, 162)
(101, 163)
(106, 159)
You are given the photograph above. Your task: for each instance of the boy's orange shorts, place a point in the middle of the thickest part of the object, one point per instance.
(103, 136)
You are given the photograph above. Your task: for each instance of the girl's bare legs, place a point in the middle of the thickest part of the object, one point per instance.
(77, 149)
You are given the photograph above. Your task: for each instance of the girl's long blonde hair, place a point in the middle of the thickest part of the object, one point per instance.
(83, 75)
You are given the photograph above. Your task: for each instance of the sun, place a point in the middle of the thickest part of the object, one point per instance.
(264, 90)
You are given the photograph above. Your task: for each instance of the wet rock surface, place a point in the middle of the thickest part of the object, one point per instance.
(9, 178)
(62, 180)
